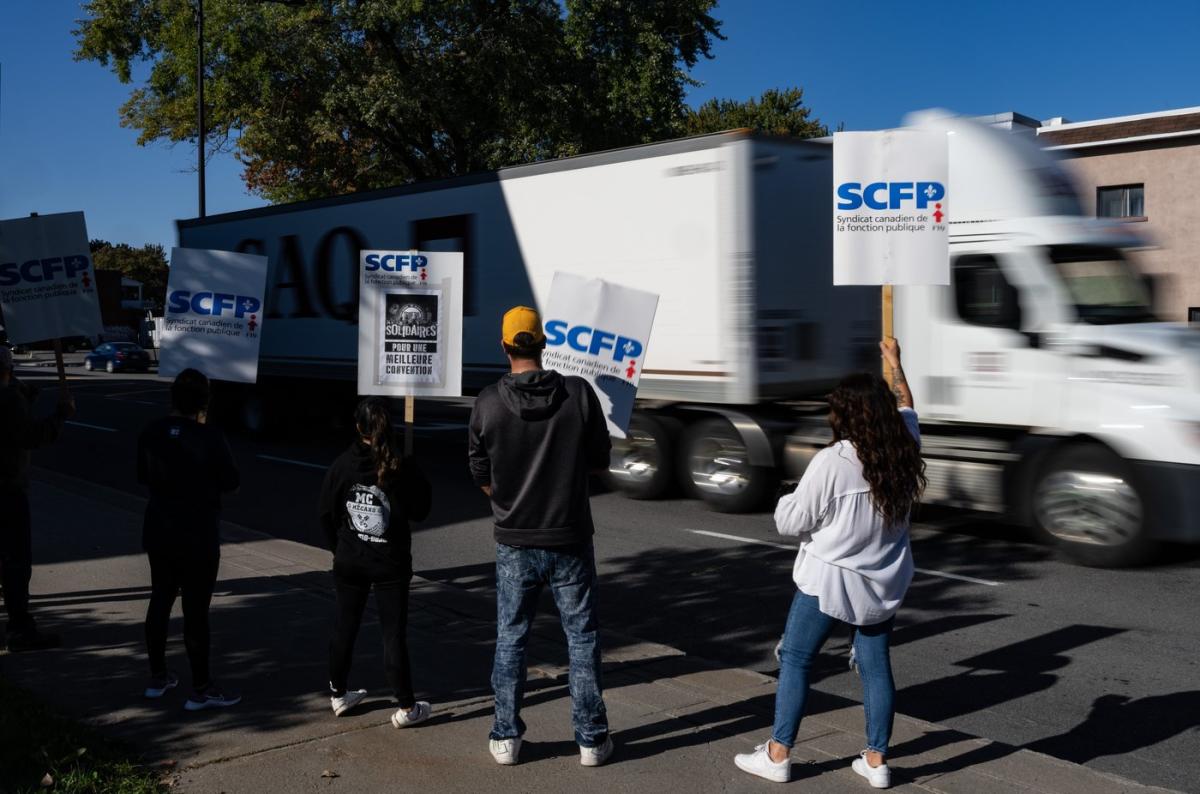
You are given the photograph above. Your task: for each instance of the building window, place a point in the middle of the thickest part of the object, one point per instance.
(1121, 201)
(1194, 314)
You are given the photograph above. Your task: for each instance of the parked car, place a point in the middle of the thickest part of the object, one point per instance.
(117, 357)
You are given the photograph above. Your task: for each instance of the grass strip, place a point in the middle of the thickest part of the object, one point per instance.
(36, 742)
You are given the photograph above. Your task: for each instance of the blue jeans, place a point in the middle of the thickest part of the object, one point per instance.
(807, 629)
(520, 575)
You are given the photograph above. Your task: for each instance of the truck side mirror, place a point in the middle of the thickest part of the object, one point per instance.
(1010, 312)
(1151, 282)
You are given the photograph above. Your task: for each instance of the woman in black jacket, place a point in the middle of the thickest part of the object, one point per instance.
(369, 496)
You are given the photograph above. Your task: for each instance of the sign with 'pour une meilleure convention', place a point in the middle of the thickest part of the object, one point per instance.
(410, 323)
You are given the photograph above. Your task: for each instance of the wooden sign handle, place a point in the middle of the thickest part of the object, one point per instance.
(889, 328)
(409, 412)
(62, 367)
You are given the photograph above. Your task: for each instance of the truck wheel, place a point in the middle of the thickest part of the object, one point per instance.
(252, 414)
(719, 471)
(640, 465)
(1087, 503)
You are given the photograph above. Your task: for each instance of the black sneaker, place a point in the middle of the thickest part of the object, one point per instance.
(211, 698)
(32, 641)
(159, 684)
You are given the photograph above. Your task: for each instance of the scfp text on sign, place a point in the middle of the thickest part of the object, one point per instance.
(853, 195)
(395, 263)
(37, 270)
(212, 304)
(622, 347)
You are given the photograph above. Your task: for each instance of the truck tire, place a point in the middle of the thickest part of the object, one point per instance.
(252, 415)
(641, 465)
(718, 468)
(1087, 503)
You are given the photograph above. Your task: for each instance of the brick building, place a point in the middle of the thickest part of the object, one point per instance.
(1143, 170)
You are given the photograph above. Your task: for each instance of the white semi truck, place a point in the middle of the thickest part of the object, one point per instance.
(1046, 386)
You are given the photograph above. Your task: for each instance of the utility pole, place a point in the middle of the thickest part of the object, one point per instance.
(200, 134)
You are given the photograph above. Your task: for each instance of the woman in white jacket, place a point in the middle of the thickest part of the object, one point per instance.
(851, 512)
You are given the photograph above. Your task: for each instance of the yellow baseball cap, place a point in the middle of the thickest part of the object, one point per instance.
(522, 320)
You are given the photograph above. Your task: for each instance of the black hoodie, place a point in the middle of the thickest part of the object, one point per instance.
(362, 520)
(20, 432)
(534, 438)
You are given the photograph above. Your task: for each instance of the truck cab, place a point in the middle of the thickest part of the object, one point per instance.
(1049, 387)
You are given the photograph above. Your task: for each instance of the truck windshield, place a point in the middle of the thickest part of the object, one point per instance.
(1104, 286)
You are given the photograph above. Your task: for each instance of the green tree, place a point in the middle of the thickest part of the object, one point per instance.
(147, 264)
(331, 96)
(776, 112)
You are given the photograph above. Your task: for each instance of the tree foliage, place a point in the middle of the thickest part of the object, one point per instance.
(328, 96)
(147, 264)
(776, 112)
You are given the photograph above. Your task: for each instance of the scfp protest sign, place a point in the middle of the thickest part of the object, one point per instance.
(213, 320)
(47, 284)
(891, 207)
(600, 331)
(410, 323)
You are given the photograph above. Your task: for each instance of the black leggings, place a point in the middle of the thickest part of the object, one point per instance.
(16, 557)
(173, 574)
(391, 598)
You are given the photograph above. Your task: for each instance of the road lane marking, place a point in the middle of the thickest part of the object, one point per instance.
(295, 462)
(924, 571)
(440, 426)
(92, 427)
(756, 541)
(117, 394)
(958, 576)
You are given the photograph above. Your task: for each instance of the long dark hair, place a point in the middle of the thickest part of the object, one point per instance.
(373, 419)
(863, 411)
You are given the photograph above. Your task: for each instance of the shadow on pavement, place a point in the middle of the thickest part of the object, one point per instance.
(271, 629)
(1117, 724)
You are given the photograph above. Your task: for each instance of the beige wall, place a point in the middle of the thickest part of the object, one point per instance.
(1171, 175)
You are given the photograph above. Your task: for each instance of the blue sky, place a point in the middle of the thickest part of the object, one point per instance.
(863, 64)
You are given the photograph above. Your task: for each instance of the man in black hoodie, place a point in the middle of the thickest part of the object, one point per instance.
(534, 438)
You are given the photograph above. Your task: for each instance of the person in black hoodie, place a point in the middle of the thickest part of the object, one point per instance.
(369, 496)
(186, 464)
(21, 432)
(534, 438)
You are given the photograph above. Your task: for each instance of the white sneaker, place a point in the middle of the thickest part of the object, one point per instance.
(347, 701)
(505, 751)
(406, 719)
(595, 756)
(211, 698)
(878, 776)
(759, 763)
(160, 684)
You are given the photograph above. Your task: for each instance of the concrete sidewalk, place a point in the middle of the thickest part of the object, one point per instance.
(677, 720)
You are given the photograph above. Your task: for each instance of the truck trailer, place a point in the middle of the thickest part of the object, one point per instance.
(1047, 388)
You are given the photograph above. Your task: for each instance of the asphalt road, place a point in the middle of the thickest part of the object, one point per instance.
(997, 638)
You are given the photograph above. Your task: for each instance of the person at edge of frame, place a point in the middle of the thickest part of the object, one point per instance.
(852, 512)
(20, 432)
